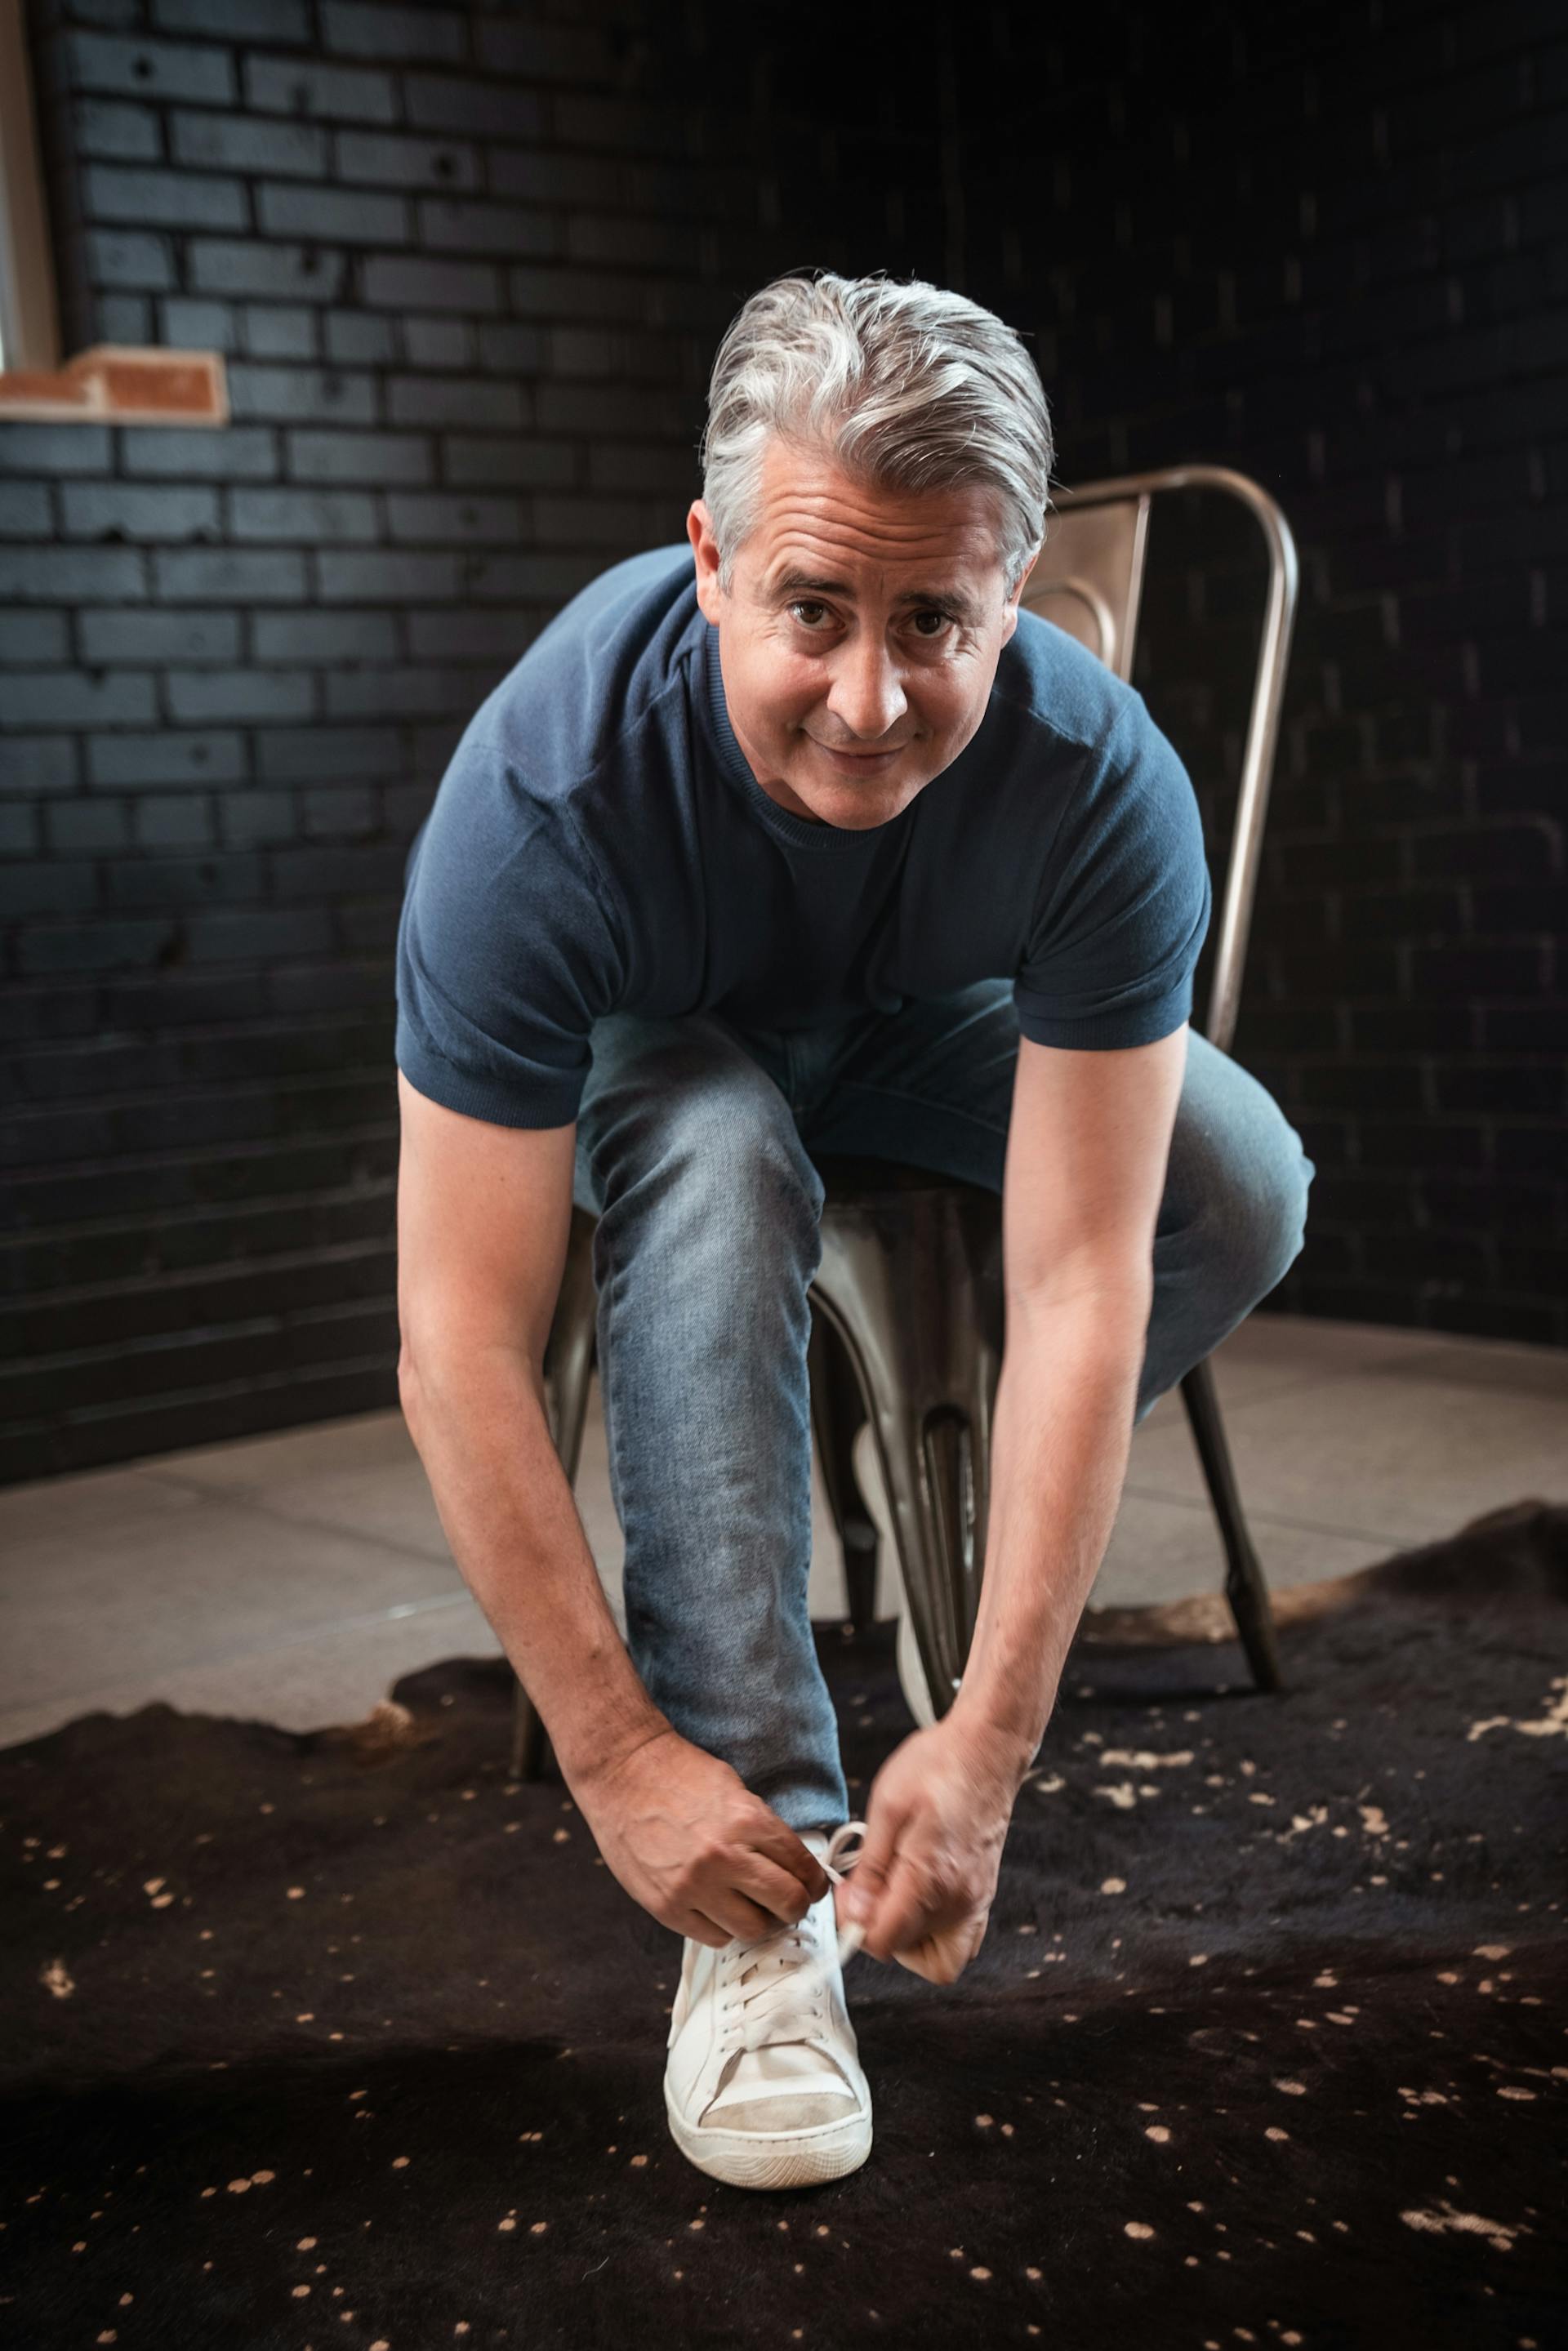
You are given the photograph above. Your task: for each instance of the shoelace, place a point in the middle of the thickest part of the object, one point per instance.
(779, 2002)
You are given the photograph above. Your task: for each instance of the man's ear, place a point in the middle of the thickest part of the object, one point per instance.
(705, 547)
(1015, 595)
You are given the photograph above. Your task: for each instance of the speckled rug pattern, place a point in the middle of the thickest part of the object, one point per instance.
(346, 2042)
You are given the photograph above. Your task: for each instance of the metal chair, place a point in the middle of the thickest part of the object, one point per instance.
(908, 1300)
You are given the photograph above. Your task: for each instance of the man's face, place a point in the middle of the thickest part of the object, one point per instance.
(859, 635)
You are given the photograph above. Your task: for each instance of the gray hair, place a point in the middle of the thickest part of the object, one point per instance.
(904, 386)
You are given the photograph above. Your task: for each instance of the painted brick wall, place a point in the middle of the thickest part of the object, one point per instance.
(468, 267)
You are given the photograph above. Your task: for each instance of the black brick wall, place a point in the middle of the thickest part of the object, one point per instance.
(468, 267)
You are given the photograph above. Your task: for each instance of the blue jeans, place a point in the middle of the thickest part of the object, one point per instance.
(692, 1149)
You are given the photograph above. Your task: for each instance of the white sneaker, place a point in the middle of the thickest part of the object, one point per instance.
(763, 2085)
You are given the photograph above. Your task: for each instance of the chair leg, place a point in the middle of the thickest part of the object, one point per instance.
(1245, 1586)
(911, 1282)
(838, 1414)
(530, 1740)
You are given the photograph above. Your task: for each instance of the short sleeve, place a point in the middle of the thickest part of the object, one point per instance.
(507, 950)
(1124, 903)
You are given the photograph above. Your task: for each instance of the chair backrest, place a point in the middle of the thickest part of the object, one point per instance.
(1089, 580)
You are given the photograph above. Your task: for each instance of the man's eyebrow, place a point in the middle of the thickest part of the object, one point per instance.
(801, 583)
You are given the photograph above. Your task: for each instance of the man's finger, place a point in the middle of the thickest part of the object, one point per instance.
(899, 1917)
(861, 1892)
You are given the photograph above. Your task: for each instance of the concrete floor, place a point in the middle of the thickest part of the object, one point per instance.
(294, 1578)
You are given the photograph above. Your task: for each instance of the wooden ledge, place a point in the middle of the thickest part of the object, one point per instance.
(108, 385)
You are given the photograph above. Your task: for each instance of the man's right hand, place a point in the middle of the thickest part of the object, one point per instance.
(688, 1839)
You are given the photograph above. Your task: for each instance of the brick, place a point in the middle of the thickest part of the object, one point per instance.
(477, 110)
(197, 327)
(505, 350)
(150, 69)
(119, 257)
(166, 761)
(242, 143)
(198, 697)
(33, 639)
(276, 332)
(110, 637)
(438, 342)
(341, 812)
(18, 829)
(23, 510)
(399, 284)
(335, 93)
(642, 244)
(72, 698)
(431, 35)
(47, 887)
(125, 318)
(228, 574)
(315, 754)
(342, 217)
(285, 273)
(286, 22)
(69, 575)
(326, 638)
(503, 635)
(363, 871)
(106, 945)
(316, 517)
(176, 453)
(448, 224)
(440, 519)
(173, 820)
(382, 159)
(137, 885)
(163, 199)
(54, 449)
(541, 579)
(387, 578)
(546, 177)
(37, 763)
(262, 933)
(622, 358)
(357, 456)
(297, 394)
(118, 509)
(545, 52)
(592, 522)
(250, 820)
(508, 460)
(121, 133)
(405, 692)
(670, 473)
(579, 295)
(636, 413)
(436, 400)
(356, 340)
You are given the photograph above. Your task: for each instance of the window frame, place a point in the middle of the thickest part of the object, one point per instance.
(108, 383)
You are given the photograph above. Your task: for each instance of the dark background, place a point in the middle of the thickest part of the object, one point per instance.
(468, 266)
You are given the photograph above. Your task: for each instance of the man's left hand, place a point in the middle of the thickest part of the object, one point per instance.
(936, 1820)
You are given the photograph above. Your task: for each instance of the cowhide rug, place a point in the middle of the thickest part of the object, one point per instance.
(346, 2040)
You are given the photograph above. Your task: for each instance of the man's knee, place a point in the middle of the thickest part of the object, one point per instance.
(709, 1131)
(1261, 1210)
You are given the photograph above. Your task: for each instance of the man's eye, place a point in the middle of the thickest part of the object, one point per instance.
(941, 620)
(803, 608)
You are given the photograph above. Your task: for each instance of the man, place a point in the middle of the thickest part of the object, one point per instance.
(804, 837)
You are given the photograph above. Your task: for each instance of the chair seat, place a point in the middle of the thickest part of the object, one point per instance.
(850, 1175)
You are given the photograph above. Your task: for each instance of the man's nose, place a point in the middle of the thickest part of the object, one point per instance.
(867, 696)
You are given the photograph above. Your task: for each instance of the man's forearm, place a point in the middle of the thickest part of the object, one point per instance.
(1060, 1442)
(478, 1419)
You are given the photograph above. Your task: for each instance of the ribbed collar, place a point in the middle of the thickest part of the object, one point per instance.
(824, 840)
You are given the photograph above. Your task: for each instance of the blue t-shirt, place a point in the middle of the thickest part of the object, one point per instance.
(598, 843)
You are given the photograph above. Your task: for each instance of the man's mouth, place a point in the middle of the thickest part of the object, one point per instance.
(860, 759)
